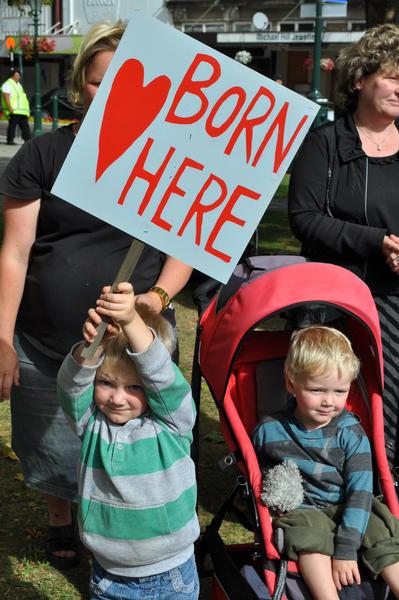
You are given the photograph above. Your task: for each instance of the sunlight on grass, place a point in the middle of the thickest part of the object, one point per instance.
(275, 236)
(282, 190)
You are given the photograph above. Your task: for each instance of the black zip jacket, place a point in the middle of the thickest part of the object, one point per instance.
(328, 206)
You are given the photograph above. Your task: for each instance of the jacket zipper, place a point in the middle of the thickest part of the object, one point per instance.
(328, 199)
(365, 210)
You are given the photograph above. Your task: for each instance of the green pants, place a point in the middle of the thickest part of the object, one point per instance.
(313, 530)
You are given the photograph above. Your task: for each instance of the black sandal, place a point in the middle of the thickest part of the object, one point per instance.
(62, 538)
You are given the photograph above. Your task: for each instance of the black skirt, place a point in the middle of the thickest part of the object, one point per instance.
(388, 310)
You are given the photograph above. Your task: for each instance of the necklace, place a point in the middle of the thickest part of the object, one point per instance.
(380, 144)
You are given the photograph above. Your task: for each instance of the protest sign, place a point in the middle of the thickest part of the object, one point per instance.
(183, 147)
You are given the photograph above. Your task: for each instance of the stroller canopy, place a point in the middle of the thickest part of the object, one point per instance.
(225, 324)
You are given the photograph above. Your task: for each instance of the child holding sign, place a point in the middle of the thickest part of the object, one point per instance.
(134, 412)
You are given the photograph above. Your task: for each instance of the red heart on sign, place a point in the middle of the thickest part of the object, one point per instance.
(130, 109)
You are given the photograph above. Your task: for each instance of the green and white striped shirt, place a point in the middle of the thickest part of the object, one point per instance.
(137, 486)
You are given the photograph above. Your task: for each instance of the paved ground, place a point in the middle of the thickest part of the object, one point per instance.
(7, 152)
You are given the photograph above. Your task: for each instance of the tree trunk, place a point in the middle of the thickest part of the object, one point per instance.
(381, 11)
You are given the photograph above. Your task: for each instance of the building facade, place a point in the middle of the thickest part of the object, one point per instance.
(277, 35)
(64, 24)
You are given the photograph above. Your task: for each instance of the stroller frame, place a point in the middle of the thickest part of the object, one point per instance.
(229, 346)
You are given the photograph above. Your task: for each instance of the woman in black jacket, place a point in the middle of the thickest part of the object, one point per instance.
(344, 192)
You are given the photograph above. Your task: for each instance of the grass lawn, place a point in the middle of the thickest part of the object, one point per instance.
(282, 190)
(275, 236)
(24, 573)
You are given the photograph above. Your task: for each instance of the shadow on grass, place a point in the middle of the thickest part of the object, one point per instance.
(209, 445)
(24, 571)
(213, 484)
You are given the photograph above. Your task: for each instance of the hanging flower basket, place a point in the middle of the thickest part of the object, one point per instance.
(44, 45)
(308, 64)
(326, 64)
(244, 57)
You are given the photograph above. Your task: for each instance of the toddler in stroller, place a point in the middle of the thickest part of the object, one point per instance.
(338, 514)
(243, 342)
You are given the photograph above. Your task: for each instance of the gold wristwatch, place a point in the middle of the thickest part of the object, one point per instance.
(162, 294)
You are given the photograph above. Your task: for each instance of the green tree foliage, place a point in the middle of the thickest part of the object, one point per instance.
(381, 11)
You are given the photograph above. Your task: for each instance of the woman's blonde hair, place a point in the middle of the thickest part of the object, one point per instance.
(115, 353)
(103, 36)
(377, 49)
(319, 350)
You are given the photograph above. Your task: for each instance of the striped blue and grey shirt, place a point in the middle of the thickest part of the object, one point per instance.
(335, 464)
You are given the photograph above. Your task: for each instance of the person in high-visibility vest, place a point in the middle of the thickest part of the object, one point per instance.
(15, 106)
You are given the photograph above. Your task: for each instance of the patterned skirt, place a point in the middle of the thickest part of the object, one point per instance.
(388, 310)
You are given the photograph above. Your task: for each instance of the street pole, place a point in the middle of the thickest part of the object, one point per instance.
(35, 11)
(315, 93)
(20, 63)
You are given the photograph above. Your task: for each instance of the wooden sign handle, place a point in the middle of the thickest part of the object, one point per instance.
(125, 272)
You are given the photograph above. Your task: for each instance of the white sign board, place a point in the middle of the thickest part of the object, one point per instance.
(308, 11)
(183, 148)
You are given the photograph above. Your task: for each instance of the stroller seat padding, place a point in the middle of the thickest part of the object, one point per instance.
(271, 393)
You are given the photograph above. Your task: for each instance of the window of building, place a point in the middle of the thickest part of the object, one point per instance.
(188, 27)
(287, 26)
(214, 27)
(358, 26)
(305, 26)
(336, 26)
(243, 26)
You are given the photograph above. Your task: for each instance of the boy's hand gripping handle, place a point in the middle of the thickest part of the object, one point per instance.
(125, 272)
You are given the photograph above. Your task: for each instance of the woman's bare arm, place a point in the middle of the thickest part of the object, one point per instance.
(172, 279)
(20, 221)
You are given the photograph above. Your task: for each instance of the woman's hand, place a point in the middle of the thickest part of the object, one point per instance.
(150, 299)
(172, 279)
(390, 249)
(9, 370)
(345, 572)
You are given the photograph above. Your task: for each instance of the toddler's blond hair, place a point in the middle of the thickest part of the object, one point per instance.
(319, 350)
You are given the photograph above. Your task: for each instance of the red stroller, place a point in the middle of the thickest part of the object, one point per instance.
(243, 339)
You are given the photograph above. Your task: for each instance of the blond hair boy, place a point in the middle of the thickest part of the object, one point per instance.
(339, 519)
